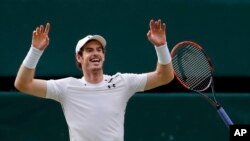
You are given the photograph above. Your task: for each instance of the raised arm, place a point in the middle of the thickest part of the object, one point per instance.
(164, 69)
(25, 81)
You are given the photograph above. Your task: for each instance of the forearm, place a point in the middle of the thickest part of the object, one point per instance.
(24, 78)
(164, 67)
(27, 70)
(25, 81)
(163, 73)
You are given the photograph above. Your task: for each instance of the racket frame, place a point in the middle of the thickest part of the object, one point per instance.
(213, 101)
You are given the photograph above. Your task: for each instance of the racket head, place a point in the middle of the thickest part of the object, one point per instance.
(192, 67)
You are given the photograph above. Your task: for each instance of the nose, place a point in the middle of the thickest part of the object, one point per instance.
(95, 52)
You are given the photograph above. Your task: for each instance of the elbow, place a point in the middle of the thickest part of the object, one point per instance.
(16, 84)
(166, 78)
(165, 74)
(169, 78)
(20, 86)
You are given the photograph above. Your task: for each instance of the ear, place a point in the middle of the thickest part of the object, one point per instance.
(104, 57)
(78, 58)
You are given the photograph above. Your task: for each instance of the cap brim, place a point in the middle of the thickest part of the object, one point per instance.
(83, 41)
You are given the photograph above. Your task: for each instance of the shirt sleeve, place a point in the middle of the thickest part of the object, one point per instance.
(55, 88)
(135, 82)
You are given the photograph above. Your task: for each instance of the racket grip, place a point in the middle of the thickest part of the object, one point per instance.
(224, 116)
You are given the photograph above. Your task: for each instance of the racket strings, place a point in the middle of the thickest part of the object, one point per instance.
(192, 68)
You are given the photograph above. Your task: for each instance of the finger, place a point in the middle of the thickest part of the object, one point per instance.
(164, 26)
(152, 25)
(149, 33)
(47, 40)
(160, 24)
(47, 28)
(34, 33)
(37, 30)
(155, 24)
(41, 29)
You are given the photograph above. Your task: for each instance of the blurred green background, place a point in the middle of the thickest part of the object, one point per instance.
(220, 26)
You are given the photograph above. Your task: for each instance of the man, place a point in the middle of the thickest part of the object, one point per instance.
(94, 105)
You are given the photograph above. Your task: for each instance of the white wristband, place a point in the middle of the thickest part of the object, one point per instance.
(163, 54)
(32, 58)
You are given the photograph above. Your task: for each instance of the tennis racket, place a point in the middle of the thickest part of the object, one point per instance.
(194, 70)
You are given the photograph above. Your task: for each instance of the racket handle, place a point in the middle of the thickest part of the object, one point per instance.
(224, 116)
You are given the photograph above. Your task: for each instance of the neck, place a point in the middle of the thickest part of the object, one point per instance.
(93, 77)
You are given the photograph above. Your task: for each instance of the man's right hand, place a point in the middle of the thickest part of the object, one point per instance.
(40, 38)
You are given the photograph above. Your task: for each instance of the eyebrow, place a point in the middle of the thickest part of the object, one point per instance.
(92, 47)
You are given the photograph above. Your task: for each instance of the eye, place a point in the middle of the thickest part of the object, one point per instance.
(99, 49)
(88, 50)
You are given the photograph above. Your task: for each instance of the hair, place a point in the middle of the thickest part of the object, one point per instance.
(80, 52)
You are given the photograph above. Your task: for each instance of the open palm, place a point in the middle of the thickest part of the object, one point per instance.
(156, 34)
(40, 38)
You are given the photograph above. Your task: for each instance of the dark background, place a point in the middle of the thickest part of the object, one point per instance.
(220, 26)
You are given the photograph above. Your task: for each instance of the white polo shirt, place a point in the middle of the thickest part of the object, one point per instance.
(95, 112)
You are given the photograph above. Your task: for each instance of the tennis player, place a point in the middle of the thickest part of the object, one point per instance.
(94, 105)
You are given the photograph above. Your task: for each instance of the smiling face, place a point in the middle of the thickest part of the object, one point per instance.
(92, 57)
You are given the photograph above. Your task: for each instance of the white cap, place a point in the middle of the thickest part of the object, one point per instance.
(84, 40)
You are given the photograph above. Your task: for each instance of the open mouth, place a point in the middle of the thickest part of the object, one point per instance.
(95, 60)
